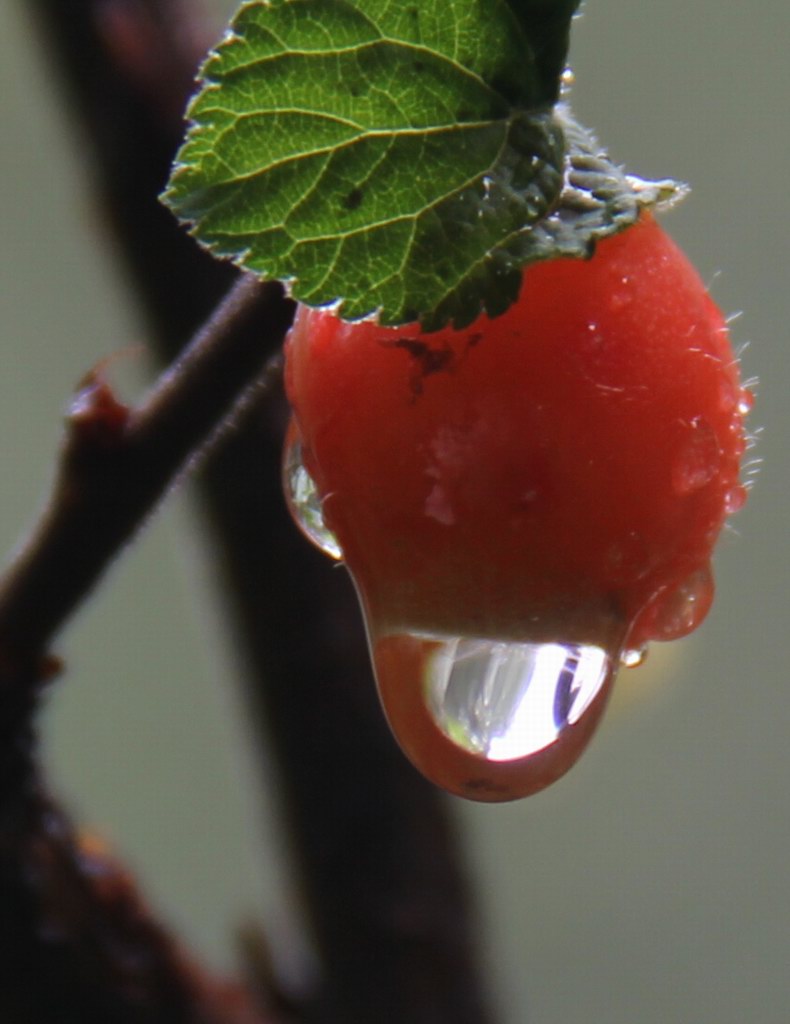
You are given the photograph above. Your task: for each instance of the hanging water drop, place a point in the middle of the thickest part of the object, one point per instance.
(506, 701)
(489, 719)
(634, 657)
(302, 497)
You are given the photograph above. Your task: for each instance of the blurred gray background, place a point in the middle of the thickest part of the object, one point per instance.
(652, 885)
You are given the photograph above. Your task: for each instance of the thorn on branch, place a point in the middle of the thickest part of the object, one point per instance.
(96, 417)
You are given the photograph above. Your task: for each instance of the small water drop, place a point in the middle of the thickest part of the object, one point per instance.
(303, 499)
(735, 499)
(622, 295)
(595, 335)
(745, 401)
(634, 657)
(698, 461)
(489, 719)
(678, 611)
(567, 78)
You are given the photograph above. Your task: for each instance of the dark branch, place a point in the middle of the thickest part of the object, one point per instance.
(78, 944)
(116, 464)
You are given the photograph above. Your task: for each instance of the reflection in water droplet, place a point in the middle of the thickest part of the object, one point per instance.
(302, 497)
(698, 462)
(634, 657)
(506, 701)
(489, 719)
(679, 611)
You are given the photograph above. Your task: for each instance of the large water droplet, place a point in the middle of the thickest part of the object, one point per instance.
(510, 700)
(301, 495)
(488, 719)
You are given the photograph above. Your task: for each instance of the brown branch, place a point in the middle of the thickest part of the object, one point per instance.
(372, 841)
(117, 463)
(77, 942)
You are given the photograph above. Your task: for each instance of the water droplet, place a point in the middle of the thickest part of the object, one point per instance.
(698, 461)
(506, 701)
(489, 719)
(301, 495)
(567, 78)
(677, 611)
(634, 657)
(735, 499)
(622, 295)
(595, 335)
(745, 401)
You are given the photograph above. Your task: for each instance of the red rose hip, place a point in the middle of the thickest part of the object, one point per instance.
(524, 501)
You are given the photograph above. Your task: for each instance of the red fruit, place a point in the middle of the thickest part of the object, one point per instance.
(522, 501)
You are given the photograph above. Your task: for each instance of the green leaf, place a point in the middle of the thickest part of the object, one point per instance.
(398, 159)
(372, 154)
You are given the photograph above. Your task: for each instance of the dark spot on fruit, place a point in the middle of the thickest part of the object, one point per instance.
(427, 359)
(473, 339)
(354, 199)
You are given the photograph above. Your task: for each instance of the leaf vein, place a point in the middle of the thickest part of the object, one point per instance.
(238, 179)
(220, 74)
